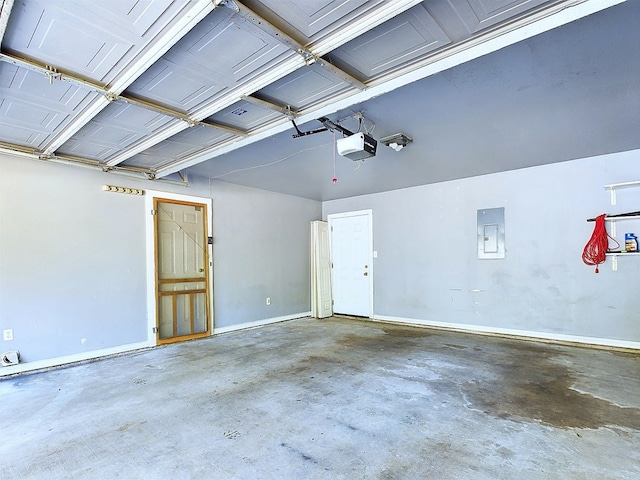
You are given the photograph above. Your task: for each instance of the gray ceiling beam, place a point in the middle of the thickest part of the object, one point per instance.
(22, 151)
(286, 111)
(52, 72)
(191, 122)
(123, 170)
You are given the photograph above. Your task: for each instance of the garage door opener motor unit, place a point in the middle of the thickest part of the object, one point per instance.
(357, 146)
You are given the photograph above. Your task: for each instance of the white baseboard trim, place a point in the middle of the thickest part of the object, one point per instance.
(560, 338)
(76, 357)
(95, 354)
(259, 323)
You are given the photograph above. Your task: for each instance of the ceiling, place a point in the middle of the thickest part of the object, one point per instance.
(172, 89)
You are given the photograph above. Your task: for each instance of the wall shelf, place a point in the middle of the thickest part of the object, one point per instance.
(613, 220)
(614, 257)
(614, 186)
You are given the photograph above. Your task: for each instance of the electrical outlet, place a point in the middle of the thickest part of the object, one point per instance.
(268, 300)
(7, 335)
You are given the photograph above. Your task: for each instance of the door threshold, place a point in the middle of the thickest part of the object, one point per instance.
(353, 317)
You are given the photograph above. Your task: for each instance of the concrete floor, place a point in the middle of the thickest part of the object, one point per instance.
(329, 399)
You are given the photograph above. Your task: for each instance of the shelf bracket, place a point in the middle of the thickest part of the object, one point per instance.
(613, 187)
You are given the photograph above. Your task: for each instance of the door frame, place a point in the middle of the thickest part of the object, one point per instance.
(369, 214)
(150, 196)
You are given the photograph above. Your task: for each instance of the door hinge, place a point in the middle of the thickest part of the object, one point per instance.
(154, 212)
(155, 329)
(333, 302)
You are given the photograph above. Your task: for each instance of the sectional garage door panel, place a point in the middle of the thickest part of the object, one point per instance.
(33, 109)
(480, 14)
(304, 88)
(310, 17)
(92, 39)
(217, 56)
(186, 143)
(245, 116)
(161, 85)
(116, 128)
(403, 39)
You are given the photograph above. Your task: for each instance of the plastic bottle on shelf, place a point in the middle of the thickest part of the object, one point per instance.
(630, 242)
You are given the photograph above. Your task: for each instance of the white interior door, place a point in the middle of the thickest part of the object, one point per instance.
(321, 305)
(352, 255)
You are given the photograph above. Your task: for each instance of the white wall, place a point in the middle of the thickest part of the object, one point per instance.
(73, 276)
(261, 249)
(72, 258)
(427, 267)
(71, 261)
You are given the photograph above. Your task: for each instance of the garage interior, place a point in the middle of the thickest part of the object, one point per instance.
(202, 277)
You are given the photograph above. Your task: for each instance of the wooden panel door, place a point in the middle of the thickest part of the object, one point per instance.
(182, 273)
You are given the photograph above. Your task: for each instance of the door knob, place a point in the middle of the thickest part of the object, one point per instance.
(366, 274)
(366, 266)
(201, 270)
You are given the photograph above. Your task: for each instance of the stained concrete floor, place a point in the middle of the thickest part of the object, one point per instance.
(329, 399)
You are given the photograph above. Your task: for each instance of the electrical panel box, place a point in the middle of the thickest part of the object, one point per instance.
(491, 233)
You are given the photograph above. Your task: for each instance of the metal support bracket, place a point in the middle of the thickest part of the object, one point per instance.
(53, 74)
